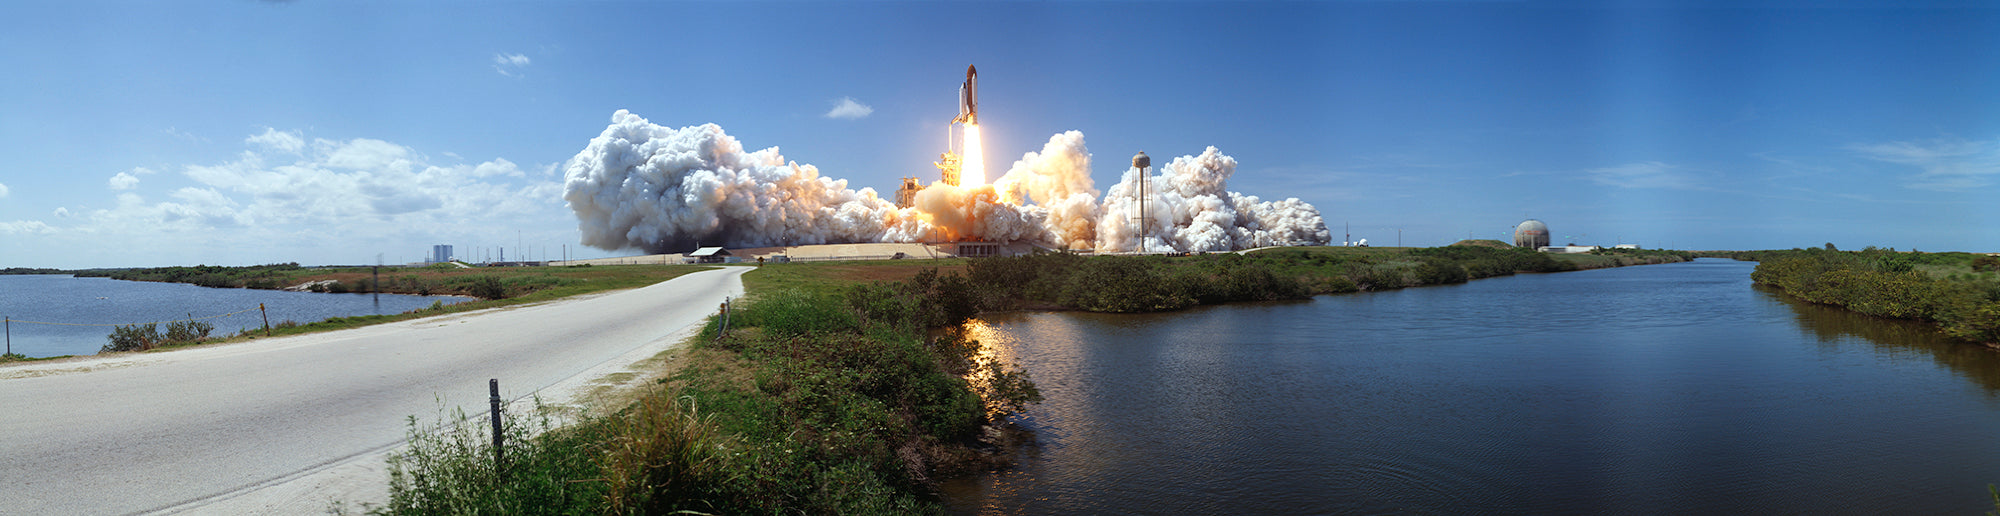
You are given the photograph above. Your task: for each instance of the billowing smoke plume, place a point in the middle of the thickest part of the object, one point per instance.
(642, 185)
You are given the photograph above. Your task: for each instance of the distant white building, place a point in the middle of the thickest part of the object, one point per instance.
(1569, 249)
(441, 253)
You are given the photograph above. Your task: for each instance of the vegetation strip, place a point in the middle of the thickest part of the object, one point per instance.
(1959, 292)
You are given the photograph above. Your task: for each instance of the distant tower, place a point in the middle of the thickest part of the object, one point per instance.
(1141, 161)
(1532, 234)
(441, 253)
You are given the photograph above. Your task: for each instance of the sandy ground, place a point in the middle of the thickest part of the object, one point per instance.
(293, 425)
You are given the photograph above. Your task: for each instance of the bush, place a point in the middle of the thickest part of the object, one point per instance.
(142, 337)
(137, 337)
(1985, 263)
(488, 287)
(184, 332)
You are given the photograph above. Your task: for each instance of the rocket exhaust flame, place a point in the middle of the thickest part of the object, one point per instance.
(972, 171)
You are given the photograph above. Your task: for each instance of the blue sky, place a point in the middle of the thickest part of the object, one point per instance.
(144, 134)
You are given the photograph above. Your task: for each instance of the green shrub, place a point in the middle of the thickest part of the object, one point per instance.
(488, 287)
(137, 337)
(184, 332)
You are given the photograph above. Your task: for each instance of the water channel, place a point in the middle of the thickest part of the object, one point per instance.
(1676, 388)
(84, 309)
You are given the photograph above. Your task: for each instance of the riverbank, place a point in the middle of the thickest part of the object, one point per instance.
(1958, 293)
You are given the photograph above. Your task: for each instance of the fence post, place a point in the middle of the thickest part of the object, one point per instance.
(499, 445)
(267, 319)
(10, 335)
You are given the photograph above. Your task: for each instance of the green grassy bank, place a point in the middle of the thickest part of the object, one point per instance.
(834, 397)
(1959, 292)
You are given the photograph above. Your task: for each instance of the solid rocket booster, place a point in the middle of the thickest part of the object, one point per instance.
(968, 97)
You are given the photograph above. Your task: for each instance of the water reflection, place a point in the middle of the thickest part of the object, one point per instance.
(1897, 339)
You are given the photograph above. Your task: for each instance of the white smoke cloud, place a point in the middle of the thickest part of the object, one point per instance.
(642, 185)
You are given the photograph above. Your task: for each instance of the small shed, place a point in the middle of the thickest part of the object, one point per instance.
(710, 255)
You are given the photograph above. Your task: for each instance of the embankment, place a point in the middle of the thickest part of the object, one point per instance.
(1958, 292)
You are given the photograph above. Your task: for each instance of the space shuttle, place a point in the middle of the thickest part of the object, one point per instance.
(968, 98)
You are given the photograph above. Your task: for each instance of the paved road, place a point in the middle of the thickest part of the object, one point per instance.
(145, 432)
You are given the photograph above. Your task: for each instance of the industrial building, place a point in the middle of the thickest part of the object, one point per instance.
(710, 255)
(441, 253)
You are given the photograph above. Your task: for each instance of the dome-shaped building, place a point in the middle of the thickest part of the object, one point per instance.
(1532, 234)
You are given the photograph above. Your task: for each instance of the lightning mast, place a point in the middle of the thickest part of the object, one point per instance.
(1141, 161)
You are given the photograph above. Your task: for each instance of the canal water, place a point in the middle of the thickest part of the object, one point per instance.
(86, 307)
(1677, 388)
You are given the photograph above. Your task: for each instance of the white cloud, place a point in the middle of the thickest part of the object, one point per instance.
(510, 65)
(1947, 164)
(1650, 174)
(364, 154)
(184, 135)
(124, 181)
(25, 227)
(3, 189)
(61, 212)
(847, 107)
(278, 140)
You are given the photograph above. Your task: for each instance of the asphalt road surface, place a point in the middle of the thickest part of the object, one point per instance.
(144, 432)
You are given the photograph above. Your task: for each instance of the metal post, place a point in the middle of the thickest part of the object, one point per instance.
(499, 445)
(267, 319)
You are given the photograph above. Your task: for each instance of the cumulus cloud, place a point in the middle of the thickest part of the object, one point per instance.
(277, 140)
(124, 181)
(647, 186)
(849, 108)
(1650, 174)
(510, 65)
(317, 198)
(61, 212)
(1948, 164)
(3, 189)
(25, 227)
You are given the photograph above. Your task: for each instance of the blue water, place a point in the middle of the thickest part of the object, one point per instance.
(1675, 389)
(101, 302)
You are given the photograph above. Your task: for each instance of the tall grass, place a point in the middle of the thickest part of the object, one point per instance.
(656, 457)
